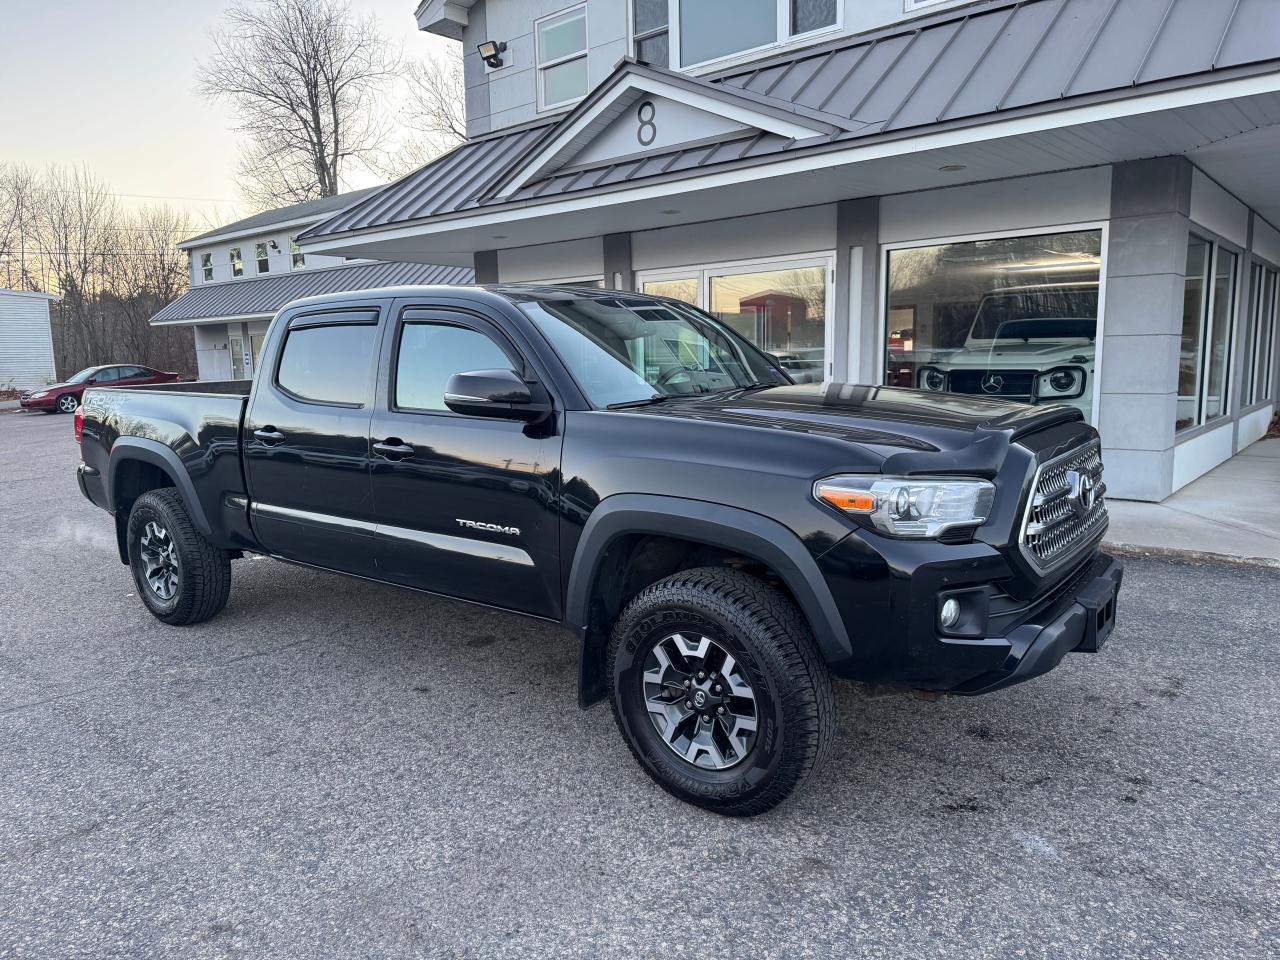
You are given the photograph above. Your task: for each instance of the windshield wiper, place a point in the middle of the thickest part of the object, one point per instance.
(623, 405)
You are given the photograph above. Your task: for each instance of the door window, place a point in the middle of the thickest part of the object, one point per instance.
(430, 353)
(107, 375)
(329, 363)
(235, 346)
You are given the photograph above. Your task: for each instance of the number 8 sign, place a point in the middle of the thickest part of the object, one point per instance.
(647, 131)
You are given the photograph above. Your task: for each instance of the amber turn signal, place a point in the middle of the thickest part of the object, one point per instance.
(851, 501)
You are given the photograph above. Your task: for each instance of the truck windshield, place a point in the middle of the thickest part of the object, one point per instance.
(626, 350)
(1046, 313)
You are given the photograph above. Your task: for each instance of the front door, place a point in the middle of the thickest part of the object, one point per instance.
(306, 439)
(465, 505)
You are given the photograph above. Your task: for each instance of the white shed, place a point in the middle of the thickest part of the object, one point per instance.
(26, 340)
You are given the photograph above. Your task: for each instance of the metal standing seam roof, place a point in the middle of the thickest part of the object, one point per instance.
(961, 65)
(265, 295)
(269, 218)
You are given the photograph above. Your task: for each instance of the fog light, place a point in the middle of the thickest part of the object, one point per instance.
(950, 614)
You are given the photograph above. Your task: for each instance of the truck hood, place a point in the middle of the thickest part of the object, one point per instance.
(890, 418)
(1036, 354)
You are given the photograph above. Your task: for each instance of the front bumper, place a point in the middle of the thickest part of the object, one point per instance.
(44, 403)
(1079, 622)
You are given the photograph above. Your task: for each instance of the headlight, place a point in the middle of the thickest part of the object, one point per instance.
(37, 396)
(931, 378)
(910, 506)
(1061, 383)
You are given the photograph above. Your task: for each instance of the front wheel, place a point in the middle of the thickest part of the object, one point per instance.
(719, 690)
(67, 403)
(182, 578)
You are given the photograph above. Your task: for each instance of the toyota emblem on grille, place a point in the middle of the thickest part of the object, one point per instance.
(992, 383)
(1082, 492)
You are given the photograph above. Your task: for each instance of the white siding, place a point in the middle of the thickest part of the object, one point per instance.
(279, 260)
(26, 341)
(213, 362)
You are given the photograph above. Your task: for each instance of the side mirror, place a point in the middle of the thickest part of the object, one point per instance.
(500, 394)
(91, 381)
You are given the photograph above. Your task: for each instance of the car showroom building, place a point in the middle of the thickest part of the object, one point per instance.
(1049, 200)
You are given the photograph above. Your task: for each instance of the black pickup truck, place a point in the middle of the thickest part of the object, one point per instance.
(720, 540)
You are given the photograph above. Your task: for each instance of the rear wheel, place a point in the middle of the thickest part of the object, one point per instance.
(67, 403)
(719, 690)
(181, 577)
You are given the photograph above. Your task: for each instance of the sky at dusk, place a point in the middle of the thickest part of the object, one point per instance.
(112, 86)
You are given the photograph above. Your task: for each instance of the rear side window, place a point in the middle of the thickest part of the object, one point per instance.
(107, 375)
(328, 364)
(430, 353)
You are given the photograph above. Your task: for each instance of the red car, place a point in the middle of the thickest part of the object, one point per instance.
(65, 397)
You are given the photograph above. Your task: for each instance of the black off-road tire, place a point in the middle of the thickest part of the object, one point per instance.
(204, 571)
(774, 647)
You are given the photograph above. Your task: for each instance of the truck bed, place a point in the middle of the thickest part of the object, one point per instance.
(235, 388)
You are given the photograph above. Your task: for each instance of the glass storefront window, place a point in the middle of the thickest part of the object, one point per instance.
(1208, 315)
(1259, 336)
(1012, 318)
(781, 309)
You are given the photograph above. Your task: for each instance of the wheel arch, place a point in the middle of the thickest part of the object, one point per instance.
(596, 594)
(138, 465)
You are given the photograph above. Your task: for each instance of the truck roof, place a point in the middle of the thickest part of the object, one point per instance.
(509, 292)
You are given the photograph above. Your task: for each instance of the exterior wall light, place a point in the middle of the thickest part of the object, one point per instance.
(491, 52)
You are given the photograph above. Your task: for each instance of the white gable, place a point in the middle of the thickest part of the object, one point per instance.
(641, 114)
(653, 124)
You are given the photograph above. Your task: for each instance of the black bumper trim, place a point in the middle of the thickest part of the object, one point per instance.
(1036, 648)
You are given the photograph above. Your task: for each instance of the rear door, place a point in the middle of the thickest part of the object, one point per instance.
(465, 505)
(306, 437)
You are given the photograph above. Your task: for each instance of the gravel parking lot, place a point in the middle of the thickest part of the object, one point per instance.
(338, 769)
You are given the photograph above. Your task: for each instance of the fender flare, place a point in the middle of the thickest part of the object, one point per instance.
(159, 455)
(716, 525)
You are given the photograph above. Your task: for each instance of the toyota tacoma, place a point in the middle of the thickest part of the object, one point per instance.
(721, 541)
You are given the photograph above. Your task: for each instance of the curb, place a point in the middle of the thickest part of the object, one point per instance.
(1192, 556)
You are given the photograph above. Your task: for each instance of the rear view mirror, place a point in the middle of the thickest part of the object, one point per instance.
(500, 394)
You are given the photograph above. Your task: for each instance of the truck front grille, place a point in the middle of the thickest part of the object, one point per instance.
(1005, 384)
(1067, 507)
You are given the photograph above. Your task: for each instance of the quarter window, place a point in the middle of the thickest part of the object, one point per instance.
(260, 254)
(1208, 315)
(430, 353)
(1012, 318)
(328, 364)
(562, 58)
(237, 262)
(206, 266)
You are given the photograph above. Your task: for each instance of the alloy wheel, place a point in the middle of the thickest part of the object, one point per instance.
(68, 404)
(700, 701)
(160, 561)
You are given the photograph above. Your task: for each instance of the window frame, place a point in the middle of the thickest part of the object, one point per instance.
(783, 37)
(540, 67)
(341, 317)
(703, 273)
(445, 317)
(297, 259)
(634, 37)
(1230, 407)
(915, 6)
(880, 348)
(263, 261)
(206, 267)
(1263, 322)
(237, 262)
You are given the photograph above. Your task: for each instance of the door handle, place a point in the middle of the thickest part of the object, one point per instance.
(393, 448)
(269, 435)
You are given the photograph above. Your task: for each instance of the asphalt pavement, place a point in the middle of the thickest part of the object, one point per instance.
(334, 769)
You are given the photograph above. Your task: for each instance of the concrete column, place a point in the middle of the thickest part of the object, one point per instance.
(618, 273)
(856, 316)
(1142, 325)
(486, 266)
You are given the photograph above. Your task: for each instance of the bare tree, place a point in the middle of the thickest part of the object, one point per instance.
(304, 78)
(433, 119)
(17, 212)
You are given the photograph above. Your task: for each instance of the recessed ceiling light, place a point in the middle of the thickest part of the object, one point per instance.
(670, 212)
(952, 167)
